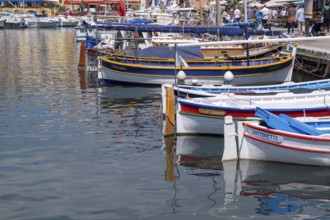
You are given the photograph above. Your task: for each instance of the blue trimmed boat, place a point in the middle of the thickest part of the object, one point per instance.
(207, 115)
(211, 90)
(159, 70)
(278, 138)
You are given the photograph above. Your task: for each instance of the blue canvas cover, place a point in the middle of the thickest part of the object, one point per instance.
(218, 30)
(167, 52)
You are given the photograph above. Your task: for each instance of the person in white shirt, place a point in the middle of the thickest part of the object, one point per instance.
(300, 19)
(226, 16)
(266, 13)
(274, 14)
(283, 12)
(237, 15)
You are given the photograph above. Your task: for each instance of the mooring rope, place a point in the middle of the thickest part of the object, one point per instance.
(298, 65)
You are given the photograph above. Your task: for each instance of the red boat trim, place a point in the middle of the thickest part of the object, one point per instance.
(287, 134)
(287, 146)
(188, 108)
(252, 118)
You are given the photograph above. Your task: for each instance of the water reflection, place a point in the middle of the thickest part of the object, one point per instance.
(201, 155)
(133, 111)
(278, 189)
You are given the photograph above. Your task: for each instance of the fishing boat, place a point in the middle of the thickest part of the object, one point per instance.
(280, 139)
(161, 67)
(207, 115)
(193, 91)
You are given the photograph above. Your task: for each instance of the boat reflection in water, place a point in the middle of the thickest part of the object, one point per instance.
(129, 92)
(127, 96)
(202, 155)
(128, 110)
(276, 189)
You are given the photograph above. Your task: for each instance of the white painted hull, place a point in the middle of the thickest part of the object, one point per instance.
(269, 145)
(194, 125)
(206, 115)
(48, 24)
(32, 24)
(111, 75)
(12, 25)
(82, 32)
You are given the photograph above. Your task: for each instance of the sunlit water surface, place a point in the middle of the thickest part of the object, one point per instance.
(69, 150)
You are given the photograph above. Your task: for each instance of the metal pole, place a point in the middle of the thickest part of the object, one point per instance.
(201, 12)
(175, 59)
(247, 47)
(218, 15)
(245, 10)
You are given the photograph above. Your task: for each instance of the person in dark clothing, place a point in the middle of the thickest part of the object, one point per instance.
(326, 16)
(291, 14)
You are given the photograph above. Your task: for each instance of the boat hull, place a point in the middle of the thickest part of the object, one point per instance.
(211, 90)
(194, 117)
(113, 71)
(48, 24)
(12, 25)
(273, 145)
(82, 32)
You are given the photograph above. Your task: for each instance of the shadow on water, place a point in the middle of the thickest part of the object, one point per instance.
(277, 189)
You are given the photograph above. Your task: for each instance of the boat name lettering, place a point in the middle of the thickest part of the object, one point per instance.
(118, 67)
(207, 111)
(266, 136)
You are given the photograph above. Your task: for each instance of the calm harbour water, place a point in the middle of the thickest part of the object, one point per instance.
(69, 150)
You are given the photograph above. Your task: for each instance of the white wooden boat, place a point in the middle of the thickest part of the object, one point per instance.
(207, 115)
(157, 71)
(207, 90)
(289, 141)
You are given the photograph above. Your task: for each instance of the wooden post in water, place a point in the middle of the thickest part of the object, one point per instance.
(169, 126)
(82, 58)
(201, 12)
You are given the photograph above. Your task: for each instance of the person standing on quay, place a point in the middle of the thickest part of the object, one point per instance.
(259, 15)
(226, 16)
(291, 18)
(237, 15)
(266, 13)
(326, 16)
(300, 19)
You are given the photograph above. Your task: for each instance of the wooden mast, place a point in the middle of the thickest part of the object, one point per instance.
(201, 13)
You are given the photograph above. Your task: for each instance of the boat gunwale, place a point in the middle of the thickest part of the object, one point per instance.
(283, 60)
